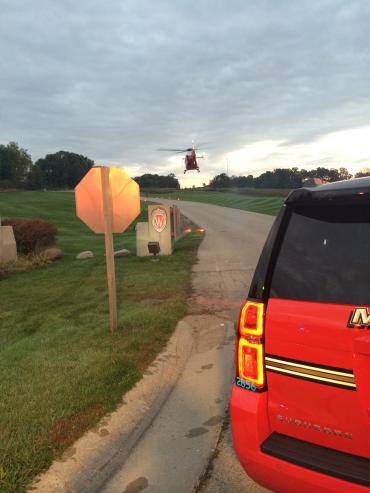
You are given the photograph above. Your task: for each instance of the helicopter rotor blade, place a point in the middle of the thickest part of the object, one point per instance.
(173, 150)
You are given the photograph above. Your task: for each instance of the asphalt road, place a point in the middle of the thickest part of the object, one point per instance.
(176, 450)
(232, 246)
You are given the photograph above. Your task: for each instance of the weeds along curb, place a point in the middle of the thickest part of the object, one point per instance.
(90, 461)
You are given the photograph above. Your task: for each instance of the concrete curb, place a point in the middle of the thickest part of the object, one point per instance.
(174, 452)
(86, 465)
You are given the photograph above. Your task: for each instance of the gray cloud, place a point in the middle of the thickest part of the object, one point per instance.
(116, 80)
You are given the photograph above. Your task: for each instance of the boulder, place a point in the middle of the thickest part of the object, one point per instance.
(122, 253)
(53, 253)
(85, 254)
(8, 248)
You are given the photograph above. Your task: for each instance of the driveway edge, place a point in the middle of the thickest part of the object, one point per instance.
(91, 460)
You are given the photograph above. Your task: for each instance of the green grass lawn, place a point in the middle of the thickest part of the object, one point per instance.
(253, 203)
(60, 368)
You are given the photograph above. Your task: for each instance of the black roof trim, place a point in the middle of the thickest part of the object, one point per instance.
(329, 191)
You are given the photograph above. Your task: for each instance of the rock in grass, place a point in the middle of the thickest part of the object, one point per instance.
(85, 254)
(53, 253)
(122, 253)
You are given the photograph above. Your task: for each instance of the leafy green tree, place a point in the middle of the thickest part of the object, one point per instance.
(243, 181)
(221, 181)
(157, 181)
(62, 169)
(265, 180)
(325, 174)
(279, 178)
(34, 178)
(363, 172)
(344, 174)
(15, 164)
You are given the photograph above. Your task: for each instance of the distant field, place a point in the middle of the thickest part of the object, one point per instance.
(260, 192)
(256, 203)
(60, 368)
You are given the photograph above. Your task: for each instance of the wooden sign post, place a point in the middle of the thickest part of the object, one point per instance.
(108, 200)
(109, 251)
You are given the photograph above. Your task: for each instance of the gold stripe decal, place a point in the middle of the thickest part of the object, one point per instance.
(315, 373)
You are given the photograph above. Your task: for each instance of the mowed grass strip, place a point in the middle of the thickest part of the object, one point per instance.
(253, 203)
(60, 368)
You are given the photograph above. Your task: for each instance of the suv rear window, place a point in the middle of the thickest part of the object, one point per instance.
(325, 256)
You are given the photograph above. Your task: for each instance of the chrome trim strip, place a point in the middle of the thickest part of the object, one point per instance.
(307, 371)
(309, 367)
(310, 376)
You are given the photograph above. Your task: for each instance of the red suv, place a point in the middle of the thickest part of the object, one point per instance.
(300, 406)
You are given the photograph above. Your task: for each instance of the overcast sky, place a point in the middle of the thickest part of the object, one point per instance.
(264, 83)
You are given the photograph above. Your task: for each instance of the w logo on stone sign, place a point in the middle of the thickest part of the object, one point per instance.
(359, 318)
(159, 219)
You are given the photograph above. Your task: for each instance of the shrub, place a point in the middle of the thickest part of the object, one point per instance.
(7, 185)
(32, 235)
(24, 263)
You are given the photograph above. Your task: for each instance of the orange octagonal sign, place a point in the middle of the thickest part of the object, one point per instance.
(124, 194)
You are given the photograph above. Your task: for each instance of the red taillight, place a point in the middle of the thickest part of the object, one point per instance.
(250, 344)
(250, 362)
(251, 319)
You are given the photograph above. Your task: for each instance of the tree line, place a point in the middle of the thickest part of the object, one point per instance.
(283, 178)
(60, 170)
(63, 170)
(157, 181)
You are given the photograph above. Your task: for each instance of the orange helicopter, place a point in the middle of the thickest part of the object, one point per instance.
(190, 158)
